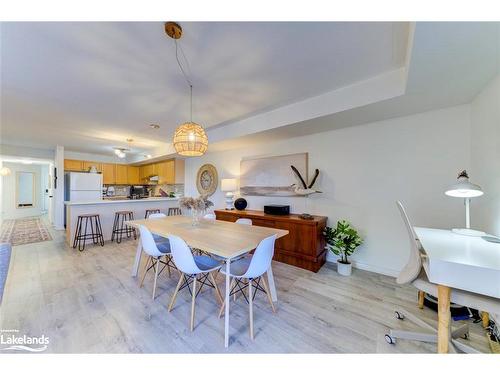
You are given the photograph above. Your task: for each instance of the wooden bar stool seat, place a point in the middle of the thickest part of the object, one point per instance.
(119, 227)
(173, 211)
(81, 236)
(151, 211)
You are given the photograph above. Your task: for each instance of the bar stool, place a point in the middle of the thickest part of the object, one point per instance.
(119, 227)
(173, 211)
(151, 211)
(95, 233)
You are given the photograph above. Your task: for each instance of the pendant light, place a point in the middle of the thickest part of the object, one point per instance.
(190, 138)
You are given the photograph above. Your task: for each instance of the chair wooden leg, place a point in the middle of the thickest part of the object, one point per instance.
(193, 299)
(223, 301)
(169, 259)
(264, 283)
(157, 269)
(250, 307)
(421, 296)
(486, 319)
(145, 272)
(172, 301)
(217, 291)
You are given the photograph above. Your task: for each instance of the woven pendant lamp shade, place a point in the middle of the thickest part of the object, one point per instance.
(190, 139)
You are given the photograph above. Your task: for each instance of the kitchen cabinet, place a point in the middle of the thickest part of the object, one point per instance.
(73, 165)
(121, 176)
(108, 173)
(146, 171)
(133, 175)
(166, 172)
(89, 164)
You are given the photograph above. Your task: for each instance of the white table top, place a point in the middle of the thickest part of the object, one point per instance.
(462, 262)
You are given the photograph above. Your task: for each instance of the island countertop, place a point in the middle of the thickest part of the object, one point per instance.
(114, 201)
(107, 208)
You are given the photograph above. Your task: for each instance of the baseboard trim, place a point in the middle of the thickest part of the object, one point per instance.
(369, 267)
(376, 269)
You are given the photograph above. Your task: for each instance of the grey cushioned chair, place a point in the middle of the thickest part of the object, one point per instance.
(413, 273)
(5, 251)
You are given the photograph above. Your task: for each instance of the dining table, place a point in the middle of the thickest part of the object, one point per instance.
(226, 240)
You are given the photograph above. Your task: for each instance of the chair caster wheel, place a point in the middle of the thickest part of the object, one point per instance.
(390, 340)
(399, 315)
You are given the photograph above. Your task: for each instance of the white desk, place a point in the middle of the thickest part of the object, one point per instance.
(461, 262)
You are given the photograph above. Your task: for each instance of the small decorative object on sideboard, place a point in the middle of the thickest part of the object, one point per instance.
(305, 190)
(240, 204)
(342, 241)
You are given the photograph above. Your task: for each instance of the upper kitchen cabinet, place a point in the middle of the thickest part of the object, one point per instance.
(121, 176)
(145, 171)
(166, 172)
(87, 165)
(133, 175)
(73, 165)
(108, 173)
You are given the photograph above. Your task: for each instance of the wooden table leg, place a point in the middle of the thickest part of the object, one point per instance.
(226, 317)
(443, 318)
(137, 261)
(272, 286)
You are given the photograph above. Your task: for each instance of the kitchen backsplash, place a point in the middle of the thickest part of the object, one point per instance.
(178, 189)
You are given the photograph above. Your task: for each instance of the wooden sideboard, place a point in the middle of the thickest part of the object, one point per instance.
(304, 246)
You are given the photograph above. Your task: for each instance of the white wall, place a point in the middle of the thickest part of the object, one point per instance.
(10, 211)
(485, 153)
(364, 170)
(94, 157)
(58, 199)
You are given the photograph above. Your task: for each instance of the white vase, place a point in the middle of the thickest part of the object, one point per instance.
(344, 269)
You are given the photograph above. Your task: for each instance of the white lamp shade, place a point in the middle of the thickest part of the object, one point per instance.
(228, 184)
(464, 189)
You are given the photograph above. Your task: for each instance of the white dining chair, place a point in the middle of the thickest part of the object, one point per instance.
(159, 255)
(194, 269)
(209, 216)
(158, 215)
(413, 273)
(243, 220)
(246, 273)
(5, 252)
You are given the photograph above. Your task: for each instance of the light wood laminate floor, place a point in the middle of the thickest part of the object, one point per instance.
(88, 303)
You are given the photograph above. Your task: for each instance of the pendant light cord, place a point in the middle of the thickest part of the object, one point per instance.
(186, 76)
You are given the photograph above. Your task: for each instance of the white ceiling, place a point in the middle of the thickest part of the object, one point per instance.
(89, 86)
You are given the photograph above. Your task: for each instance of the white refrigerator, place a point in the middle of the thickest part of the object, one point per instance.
(83, 187)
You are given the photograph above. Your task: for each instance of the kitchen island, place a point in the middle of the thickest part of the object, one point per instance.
(106, 209)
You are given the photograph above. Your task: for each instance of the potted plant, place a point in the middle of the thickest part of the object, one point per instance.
(342, 241)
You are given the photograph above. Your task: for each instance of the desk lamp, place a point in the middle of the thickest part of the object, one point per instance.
(467, 190)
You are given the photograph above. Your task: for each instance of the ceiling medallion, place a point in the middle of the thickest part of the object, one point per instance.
(190, 138)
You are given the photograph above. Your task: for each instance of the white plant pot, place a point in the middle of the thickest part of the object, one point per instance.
(344, 269)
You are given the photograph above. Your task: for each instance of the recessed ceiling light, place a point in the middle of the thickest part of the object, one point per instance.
(148, 156)
(154, 126)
